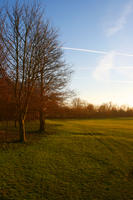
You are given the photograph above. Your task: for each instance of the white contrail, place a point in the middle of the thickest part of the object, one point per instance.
(84, 50)
(96, 51)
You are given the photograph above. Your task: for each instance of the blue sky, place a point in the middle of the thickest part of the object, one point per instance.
(97, 37)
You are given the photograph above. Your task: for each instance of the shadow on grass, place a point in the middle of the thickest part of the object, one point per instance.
(37, 133)
(7, 136)
(10, 142)
(13, 136)
(88, 134)
(10, 134)
(3, 198)
(130, 174)
(54, 125)
(33, 132)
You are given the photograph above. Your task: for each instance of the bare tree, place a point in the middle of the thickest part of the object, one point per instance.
(55, 73)
(19, 32)
(34, 57)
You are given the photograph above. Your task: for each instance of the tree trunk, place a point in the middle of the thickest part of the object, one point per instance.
(15, 123)
(42, 122)
(22, 130)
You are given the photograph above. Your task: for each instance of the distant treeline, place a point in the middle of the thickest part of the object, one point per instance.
(82, 109)
(57, 109)
(54, 107)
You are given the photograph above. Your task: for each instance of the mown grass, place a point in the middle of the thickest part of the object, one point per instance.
(76, 160)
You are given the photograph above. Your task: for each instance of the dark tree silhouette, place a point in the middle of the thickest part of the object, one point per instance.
(54, 75)
(33, 57)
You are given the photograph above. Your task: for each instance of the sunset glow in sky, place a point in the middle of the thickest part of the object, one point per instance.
(97, 39)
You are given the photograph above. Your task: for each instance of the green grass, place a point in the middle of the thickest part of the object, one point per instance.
(77, 160)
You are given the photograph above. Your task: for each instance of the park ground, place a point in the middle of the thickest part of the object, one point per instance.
(75, 160)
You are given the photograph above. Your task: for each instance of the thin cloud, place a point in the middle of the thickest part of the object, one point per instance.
(97, 51)
(114, 68)
(128, 82)
(124, 68)
(120, 23)
(102, 71)
(106, 70)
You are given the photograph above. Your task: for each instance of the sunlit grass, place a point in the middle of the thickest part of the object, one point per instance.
(78, 159)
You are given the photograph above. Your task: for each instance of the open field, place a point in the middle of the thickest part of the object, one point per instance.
(77, 160)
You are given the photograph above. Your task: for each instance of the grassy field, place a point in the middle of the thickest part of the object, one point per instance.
(77, 160)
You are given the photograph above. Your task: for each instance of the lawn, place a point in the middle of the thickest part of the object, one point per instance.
(76, 160)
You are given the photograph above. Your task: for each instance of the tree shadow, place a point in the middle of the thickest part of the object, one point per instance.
(88, 133)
